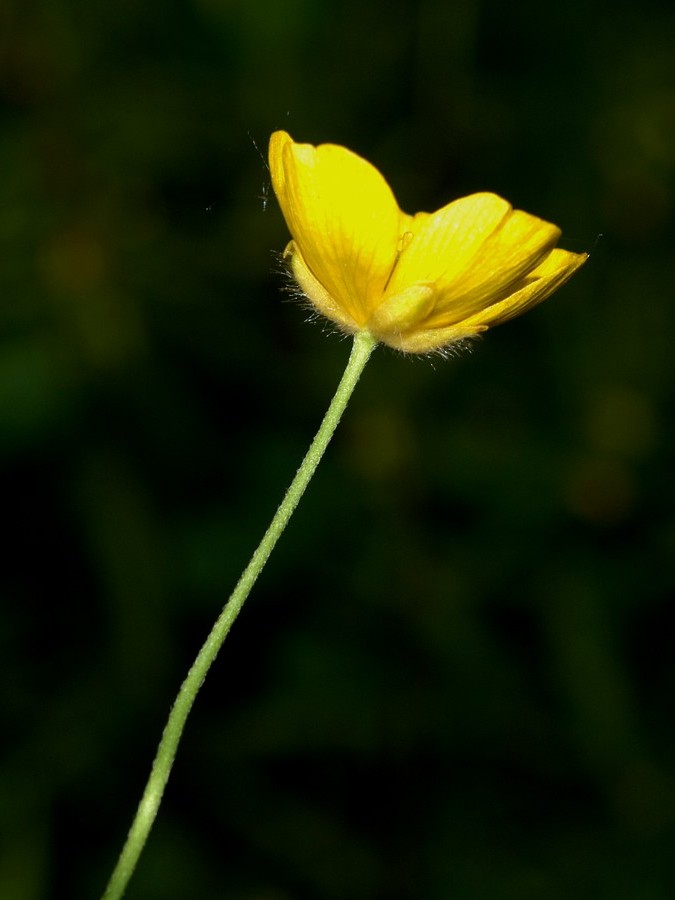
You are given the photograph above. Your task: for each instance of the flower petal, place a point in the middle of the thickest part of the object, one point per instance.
(513, 250)
(343, 218)
(540, 283)
(445, 243)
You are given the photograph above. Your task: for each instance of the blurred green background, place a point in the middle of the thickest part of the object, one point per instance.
(455, 678)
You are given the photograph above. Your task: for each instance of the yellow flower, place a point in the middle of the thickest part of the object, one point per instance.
(417, 283)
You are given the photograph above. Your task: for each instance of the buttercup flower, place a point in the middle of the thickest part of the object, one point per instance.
(417, 283)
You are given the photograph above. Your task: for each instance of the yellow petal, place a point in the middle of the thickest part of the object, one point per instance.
(539, 284)
(445, 243)
(510, 252)
(343, 218)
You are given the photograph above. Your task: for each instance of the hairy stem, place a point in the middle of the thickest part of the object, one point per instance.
(166, 752)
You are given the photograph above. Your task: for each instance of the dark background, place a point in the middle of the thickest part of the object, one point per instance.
(455, 678)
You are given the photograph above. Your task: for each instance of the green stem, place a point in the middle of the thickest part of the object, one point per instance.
(363, 346)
